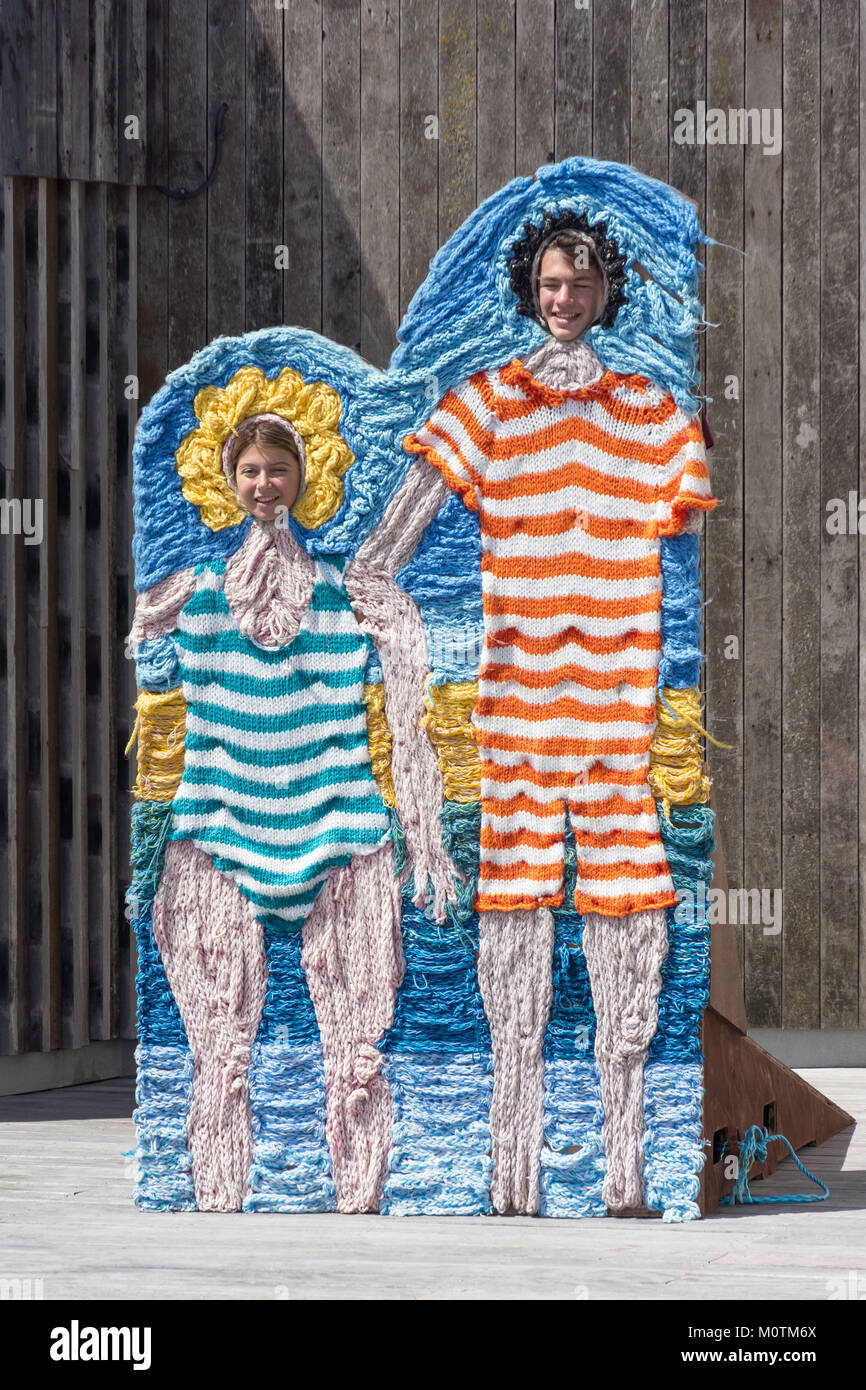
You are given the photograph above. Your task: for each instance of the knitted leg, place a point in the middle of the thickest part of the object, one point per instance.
(624, 956)
(214, 957)
(515, 968)
(353, 958)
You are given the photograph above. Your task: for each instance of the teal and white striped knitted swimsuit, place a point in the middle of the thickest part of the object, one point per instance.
(277, 785)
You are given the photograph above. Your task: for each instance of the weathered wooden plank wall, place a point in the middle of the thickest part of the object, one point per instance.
(357, 137)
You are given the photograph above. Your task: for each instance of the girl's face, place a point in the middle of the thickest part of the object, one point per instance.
(267, 477)
(570, 299)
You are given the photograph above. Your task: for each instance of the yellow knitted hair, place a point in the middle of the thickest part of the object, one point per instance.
(314, 408)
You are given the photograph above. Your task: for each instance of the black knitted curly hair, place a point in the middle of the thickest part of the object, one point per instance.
(520, 265)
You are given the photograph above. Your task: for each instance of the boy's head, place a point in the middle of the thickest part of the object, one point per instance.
(264, 463)
(569, 286)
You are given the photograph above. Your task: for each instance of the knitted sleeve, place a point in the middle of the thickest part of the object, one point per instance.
(457, 439)
(684, 482)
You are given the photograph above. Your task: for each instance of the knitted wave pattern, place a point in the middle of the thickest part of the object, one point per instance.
(291, 1164)
(438, 1065)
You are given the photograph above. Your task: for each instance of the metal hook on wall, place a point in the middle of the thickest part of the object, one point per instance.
(218, 139)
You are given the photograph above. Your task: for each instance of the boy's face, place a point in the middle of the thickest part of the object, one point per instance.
(570, 298)
(267, 477)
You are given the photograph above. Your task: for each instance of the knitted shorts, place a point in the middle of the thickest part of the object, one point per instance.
(621, 863)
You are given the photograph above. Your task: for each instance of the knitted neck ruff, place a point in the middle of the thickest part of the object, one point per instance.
(526, 260)
(565, 366)
(228, 455)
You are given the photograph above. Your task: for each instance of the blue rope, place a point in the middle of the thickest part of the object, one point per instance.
(754, 1149)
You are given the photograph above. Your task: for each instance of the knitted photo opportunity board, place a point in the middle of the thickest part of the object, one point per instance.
(421, 815)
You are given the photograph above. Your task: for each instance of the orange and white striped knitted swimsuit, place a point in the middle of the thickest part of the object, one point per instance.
(574, 488)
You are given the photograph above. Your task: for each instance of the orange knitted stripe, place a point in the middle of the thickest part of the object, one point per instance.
(580, 605)
(566, 707)
(558, 523)
(579, 675)
(559, 747)
(571, 562)
(513, 637)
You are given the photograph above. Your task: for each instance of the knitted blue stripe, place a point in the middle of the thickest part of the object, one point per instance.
(681, 659)
(291, 1164)
(440, 1160)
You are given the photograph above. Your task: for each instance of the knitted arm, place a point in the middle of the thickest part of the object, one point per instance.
(684, 482)
(391, 618)
(392, 543)
(157, 609)
(449, 455)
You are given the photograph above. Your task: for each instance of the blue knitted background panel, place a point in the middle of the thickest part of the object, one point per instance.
(437, 1054)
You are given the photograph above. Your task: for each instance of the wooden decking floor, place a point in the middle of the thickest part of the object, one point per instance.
(66, 1219)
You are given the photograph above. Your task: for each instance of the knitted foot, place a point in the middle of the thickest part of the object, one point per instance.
(515, 967)
(624, 957)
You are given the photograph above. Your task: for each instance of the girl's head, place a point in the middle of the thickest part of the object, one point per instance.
(569, 285)
(264, 463)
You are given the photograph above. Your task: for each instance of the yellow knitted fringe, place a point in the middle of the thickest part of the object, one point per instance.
(448, 723)
(160, 724)
(379, 742)
(677, 773)
(314, 408)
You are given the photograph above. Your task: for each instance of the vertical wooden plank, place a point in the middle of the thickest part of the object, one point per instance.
(41, 81)
(573, 56)
(153, 292)
(103, 94)
(125, 371)
(77, 581)
(862, 493)
(102, 627)
(31, 488)
(762, 504)
(49, 805)
(156, 132)
(419, 143)
(226, 203)
(341, 168)
(497, 27)
(457, 91)
(15, 1039)
(73, 123)
(132, 91)
(803, 517)
(187, 218)
(4, 711)
(650, 123)
(380, 179)
(688, 41)
(725, 385)
(264, 163)
(839, 477)
(611, 98)
(302, 155)
(535, 99)
(13, 87)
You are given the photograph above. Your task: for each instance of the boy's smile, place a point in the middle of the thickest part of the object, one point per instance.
(570, 298)
(266, 481)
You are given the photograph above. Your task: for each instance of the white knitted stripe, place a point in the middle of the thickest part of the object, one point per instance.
(591, 626)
